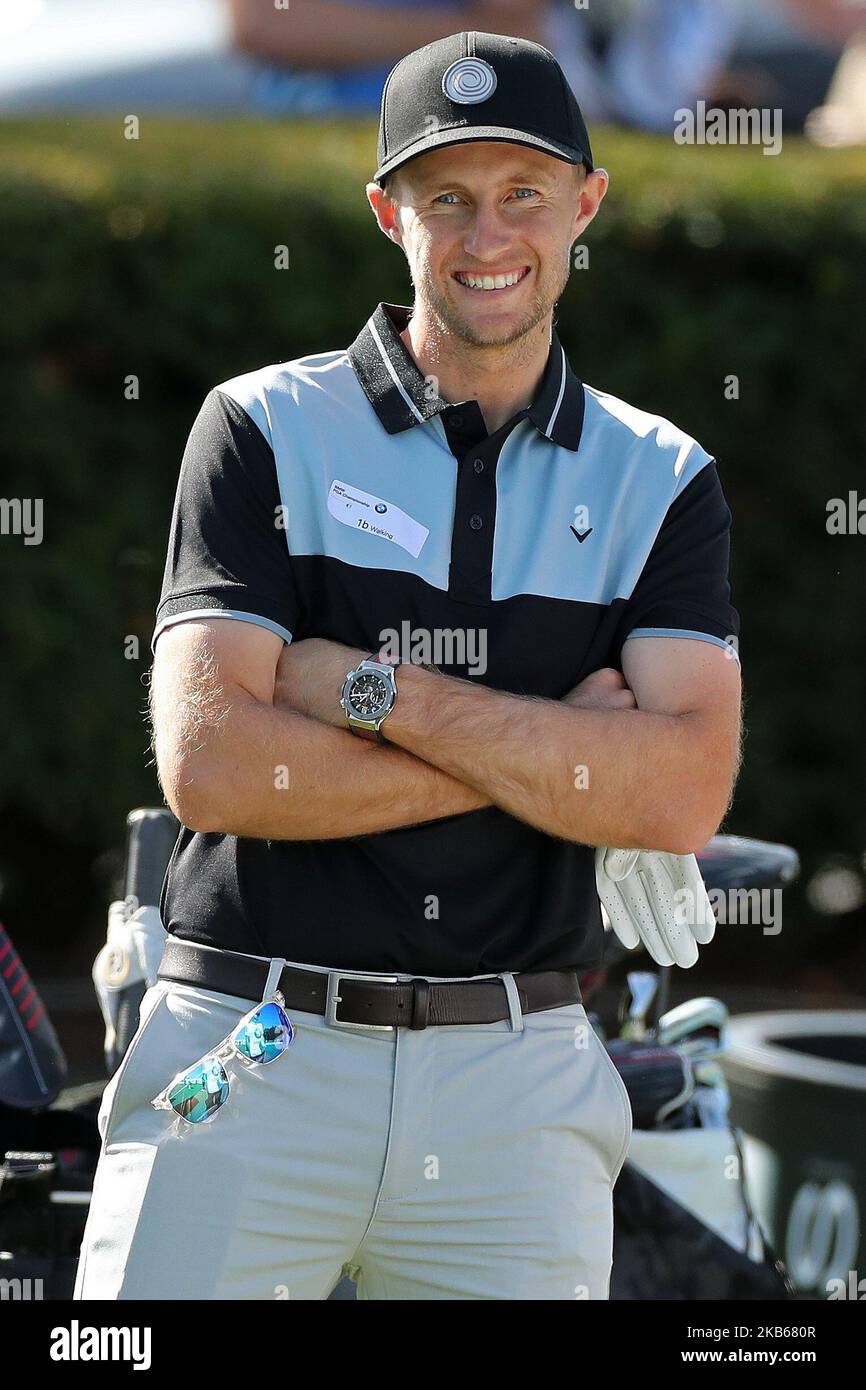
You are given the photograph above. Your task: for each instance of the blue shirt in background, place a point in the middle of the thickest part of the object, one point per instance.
(351, 91)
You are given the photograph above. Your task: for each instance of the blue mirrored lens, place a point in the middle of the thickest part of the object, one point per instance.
(265, 1034)
(200, 1091)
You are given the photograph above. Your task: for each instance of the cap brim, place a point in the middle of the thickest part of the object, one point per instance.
(466, 135)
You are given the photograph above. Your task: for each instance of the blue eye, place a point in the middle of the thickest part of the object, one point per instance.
(442, 196)
(529, 191)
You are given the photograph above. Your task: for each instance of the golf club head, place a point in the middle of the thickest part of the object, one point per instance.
(696, 1026)
(734, 861)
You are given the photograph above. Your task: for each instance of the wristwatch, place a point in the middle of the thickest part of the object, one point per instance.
(369, 695)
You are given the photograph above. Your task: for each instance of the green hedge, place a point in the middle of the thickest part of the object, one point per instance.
(155, 258)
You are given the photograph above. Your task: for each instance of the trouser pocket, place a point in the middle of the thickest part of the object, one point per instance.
(620, 1103)
(121, 1092)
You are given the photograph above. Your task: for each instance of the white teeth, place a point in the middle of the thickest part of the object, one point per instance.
(490, 282)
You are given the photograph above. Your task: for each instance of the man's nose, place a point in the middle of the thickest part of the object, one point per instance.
(488, 235)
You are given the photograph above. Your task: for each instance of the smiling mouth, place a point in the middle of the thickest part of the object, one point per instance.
(506, 280)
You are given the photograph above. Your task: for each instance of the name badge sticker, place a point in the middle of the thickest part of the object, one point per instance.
(364, 512)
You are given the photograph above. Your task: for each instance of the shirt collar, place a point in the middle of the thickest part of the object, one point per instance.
(402, 397)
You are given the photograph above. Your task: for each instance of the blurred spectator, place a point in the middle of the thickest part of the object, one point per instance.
(835, 20)
(785, 54)
(317, 56)
(667, 57)
(842, 120)
(632, 61)
(333, 56)
(639, 61)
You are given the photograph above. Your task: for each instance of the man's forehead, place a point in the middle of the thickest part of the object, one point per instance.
(492, 159)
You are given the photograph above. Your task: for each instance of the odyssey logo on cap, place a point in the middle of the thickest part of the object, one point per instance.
(469, 81)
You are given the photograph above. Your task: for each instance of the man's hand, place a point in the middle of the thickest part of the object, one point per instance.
(656, 900)
(604, 689)
(310, 678)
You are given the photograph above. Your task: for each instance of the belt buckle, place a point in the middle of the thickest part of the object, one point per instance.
(332, 999)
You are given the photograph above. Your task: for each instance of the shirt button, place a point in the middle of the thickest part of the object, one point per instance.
(476, 521)
(457, 421)
(478, 465)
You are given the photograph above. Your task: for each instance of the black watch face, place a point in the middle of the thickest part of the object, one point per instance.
(369, 694)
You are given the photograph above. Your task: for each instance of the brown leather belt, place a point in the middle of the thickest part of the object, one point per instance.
(368, 1001)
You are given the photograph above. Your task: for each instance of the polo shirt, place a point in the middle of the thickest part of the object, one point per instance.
(340, 496)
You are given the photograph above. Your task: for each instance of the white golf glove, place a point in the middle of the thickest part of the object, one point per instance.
(655, 899)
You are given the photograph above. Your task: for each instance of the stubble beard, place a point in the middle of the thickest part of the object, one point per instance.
(450, 323)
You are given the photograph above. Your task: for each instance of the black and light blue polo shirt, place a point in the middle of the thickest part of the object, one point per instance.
(340, 496)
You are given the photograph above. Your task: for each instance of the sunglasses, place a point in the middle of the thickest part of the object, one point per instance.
(200, 1092)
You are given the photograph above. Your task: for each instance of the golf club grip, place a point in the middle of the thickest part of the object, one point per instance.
(150, 841)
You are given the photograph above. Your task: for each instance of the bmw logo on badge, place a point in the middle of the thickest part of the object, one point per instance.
(380, 507)
(468, 81)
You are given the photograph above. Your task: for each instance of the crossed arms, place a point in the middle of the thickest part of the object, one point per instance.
(249, 740)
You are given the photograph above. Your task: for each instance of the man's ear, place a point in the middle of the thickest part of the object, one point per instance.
(385, 212)
(590, 197)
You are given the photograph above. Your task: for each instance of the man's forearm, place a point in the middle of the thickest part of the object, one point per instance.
(601, 777)
(269, 773)
(336, 34)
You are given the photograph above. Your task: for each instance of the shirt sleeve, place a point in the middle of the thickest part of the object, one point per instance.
(228, 554)
(683, 589)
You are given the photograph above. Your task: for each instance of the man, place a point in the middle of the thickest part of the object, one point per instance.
(416, 842)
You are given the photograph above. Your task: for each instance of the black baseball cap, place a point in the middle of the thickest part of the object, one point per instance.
(474, 86)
